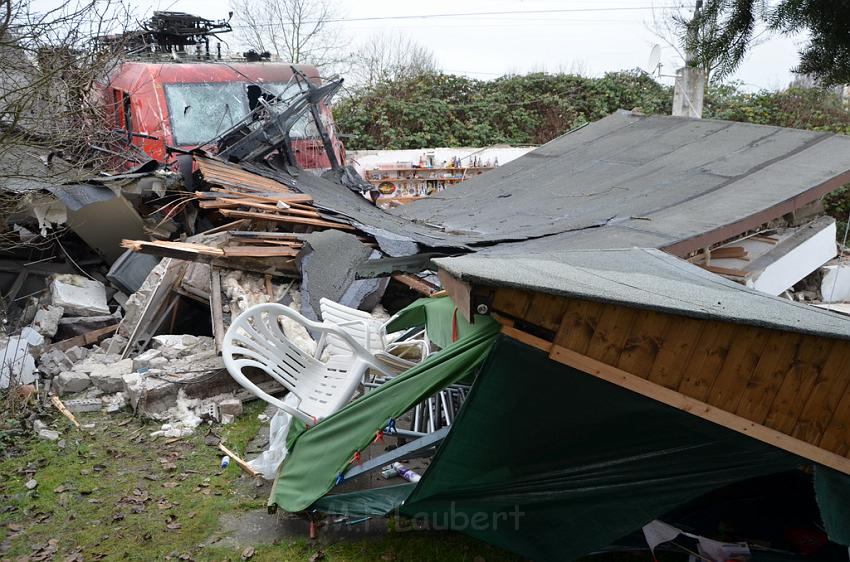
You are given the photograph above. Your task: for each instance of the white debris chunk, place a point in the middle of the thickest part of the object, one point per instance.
(70, 381)
(48, 434)
(231, 406)
(76, 354)
(54, 362)
(78, 295)
(110, 378)
(185, 420)
(17, 363)
(143, 360)
(46, 321)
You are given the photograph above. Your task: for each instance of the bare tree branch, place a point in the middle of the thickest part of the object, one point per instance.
(390, 56)
(298, 31)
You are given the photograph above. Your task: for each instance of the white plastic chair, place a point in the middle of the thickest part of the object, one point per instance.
(369, 333)
(256, 339)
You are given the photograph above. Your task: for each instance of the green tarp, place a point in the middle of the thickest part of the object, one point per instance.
(553, 463)
(375, 502)
(832, 490)
(543, 460)
(440, 318)
(318, 455)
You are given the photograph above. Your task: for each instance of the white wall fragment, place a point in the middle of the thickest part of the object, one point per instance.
(16, 363)
(78, 295)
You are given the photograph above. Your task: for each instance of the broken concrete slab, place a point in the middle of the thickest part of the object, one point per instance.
(76, 354)
(54, 362)
(78, 295)
(109, 378)
(117, 340)
(70, 326)
(46, 321)
(69, 382)
(94, 360)
(154, 392)
(143, 360)
(231, 407)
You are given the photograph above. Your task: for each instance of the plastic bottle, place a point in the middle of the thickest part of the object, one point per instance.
(406, 473)
(225, 461)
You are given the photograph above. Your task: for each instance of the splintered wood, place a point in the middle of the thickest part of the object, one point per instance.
(269, 214)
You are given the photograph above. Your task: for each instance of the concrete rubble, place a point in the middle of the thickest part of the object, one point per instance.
(78, 296)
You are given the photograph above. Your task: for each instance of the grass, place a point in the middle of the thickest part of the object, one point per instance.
(114, 493)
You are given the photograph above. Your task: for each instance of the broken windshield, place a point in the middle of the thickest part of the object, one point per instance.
(202, 111)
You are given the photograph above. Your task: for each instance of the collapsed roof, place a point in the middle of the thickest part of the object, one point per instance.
(671, 183)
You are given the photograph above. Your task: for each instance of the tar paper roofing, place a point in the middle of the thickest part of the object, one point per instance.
(644, 278)
(629, 179)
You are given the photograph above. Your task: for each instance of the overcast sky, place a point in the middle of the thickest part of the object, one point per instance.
(593, 42)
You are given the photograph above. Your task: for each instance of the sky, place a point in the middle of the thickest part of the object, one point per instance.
(588, 40)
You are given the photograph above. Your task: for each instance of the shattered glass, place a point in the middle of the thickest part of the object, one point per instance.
(202, 111)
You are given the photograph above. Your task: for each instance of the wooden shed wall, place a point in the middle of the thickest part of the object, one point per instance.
(797, 385)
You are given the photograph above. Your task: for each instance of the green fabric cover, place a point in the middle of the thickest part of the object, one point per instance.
(832, 489)
(583, 460)
(375, 502)
(438, 316)
(319, 454)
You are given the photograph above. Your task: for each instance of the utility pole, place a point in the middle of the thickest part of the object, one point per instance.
(689, 88)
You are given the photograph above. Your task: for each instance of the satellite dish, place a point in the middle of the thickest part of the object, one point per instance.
(653, 66)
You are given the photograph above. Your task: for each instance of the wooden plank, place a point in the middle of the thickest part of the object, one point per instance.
(270, 242)
(798, 383)
(707, 359)
(241, 463)
(546, 311)
(226, 226)
(84, 340)
(512, 302)
(835, 436)
(774, 363)
(611, 332)
(737, 273)
(645, 340)
(57, 403)
(285, 219)
(459, 292)
(181, 250)
(250, 234)
(748, 343)
(234, 203)
(526, 338)
(729, 252)
(288, 198)
(578, 325)
(216, 308)
(829, 388)
(674, 356)
(260, 251)
(698, 408)
(416, 283)
(768, 239)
